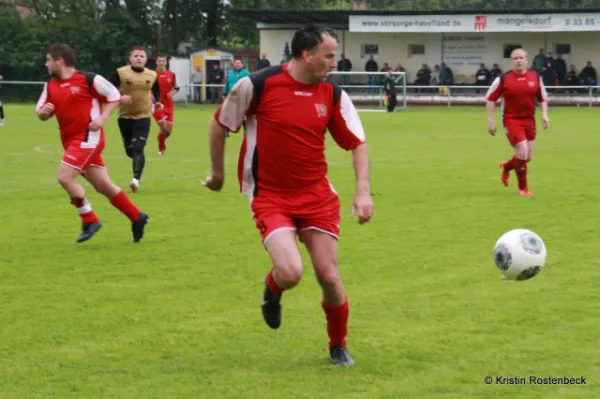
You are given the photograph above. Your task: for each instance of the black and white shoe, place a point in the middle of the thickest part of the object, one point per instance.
(88, 230)
(271, 308)
(340, 356)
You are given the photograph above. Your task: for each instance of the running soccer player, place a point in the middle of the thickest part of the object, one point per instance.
(75, 98)
(169, 86)
(287, 110)
(139, 86)
(520, 88)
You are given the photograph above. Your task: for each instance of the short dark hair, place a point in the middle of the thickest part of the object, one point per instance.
(141, 48)
(63, 51)
(309, 38)
(162, 56)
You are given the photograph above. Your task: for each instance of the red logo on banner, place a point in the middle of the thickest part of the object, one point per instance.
(480, 22)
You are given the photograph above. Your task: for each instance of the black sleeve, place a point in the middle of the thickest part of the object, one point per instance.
(116, 80)
(156, 91)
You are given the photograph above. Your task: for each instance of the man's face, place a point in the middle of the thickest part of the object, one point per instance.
(237, 65)
(519, 59)
(322, 60)
(138, 58)
(161, 63)
(53, 65)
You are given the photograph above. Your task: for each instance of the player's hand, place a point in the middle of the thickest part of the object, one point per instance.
(97, 124)
(492, 128)
(126, 99)
(546, 121)
(46, 111)
(159, 105)
(214, 182)
(363, 207)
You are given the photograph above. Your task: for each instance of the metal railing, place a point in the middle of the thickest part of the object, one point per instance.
(589, 96)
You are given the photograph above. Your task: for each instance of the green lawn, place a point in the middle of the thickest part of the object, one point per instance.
(178, 316)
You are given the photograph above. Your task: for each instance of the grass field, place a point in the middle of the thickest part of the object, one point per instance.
(178, 315)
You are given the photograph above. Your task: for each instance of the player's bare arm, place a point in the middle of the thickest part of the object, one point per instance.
(111, 95)
(347, 130)
(363, 203)
(217, 156)
(490, 107)
(99, 122)
(492, 95)
(229, 117)
(46, 111)
(545, 118)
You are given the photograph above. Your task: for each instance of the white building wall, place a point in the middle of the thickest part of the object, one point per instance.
(394, 49)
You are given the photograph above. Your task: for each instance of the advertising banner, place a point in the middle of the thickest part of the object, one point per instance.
(476, 23)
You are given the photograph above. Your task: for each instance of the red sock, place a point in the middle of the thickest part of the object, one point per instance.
(511, 164)
(122, 202)
(337, 323)
(521, 170)
(86, 213)
(272, 285)
(161, 142)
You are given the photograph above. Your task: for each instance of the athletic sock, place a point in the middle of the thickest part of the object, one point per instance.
(521, 170)
(272, 285)
(161, 142)
(122, 202)
(86, 213)
(337, 323)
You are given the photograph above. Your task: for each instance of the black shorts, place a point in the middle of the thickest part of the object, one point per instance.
(138, 129)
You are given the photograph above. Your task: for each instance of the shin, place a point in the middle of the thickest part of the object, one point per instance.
(323, 250)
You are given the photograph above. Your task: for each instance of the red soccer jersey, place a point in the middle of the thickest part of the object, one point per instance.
(77, 101)
(167, 81)
(285, 124)
(519, 93)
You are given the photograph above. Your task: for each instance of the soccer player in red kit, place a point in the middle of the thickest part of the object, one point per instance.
(75, 98)
(169, 86)
(286, 111)
(520, 88)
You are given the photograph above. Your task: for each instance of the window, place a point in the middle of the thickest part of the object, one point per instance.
(508, 49)
(562, 49)
(416, 50)
(369, 49)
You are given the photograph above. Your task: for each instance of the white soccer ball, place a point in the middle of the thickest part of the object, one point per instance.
(520, 254)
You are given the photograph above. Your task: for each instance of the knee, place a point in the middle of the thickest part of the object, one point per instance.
(129, 151)
(64, 180)
(289, 274)
(328, 275)
(137, 146)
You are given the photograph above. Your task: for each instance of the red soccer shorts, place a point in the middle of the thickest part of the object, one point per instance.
(165, 114)
(79, 157)
(316, 207)
(518, 130)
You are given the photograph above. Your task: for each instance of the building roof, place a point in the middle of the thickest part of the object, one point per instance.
(23, 11)
(340, 17)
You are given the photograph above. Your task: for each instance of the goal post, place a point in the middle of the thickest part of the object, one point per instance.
(366, 89)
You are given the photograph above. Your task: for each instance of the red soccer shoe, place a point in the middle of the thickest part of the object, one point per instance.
(526, 192)
(505, 176)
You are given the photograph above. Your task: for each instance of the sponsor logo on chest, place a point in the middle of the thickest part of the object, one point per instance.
(321, 110)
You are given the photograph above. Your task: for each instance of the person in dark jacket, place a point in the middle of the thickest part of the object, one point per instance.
(389, 87)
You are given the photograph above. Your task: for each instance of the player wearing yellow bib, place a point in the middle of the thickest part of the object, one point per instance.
(139, 89)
